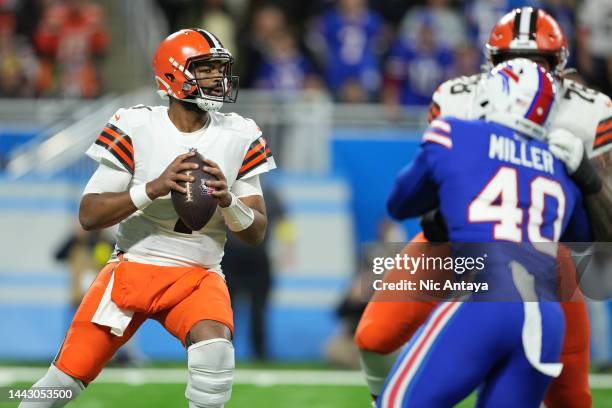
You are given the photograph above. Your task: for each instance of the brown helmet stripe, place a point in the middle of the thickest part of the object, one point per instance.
(204, 34)
(517, 23)
(532, 23)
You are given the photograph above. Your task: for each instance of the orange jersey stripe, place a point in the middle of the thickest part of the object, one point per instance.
(121, 139)
(603, 140)
(255, 161)
(261, 144)
(252, 152)
(117, 150)
(604, 127)
(434, 112)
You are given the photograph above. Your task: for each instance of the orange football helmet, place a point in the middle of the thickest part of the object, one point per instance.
(174, 63)
(528, 32)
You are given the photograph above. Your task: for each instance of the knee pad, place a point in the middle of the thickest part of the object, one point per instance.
(211, 373)
(55, 378)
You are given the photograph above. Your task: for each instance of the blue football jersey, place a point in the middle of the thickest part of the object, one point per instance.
(494, 185)
(491, 184)
(499, 188)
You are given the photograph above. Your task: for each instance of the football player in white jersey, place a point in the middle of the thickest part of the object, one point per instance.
(581, 129)
(160, 268)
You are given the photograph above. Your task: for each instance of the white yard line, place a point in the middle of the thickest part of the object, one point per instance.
(136, 376)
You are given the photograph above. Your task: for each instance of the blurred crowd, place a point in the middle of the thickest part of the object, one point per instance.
(51, 48)
(392, 51)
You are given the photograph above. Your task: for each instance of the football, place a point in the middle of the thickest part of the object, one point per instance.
(196, 207)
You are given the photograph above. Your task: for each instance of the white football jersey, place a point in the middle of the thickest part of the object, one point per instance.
(581, 110)
(143, 141)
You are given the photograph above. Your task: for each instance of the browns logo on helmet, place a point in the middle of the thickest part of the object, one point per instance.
(530, 33)
(175, 63)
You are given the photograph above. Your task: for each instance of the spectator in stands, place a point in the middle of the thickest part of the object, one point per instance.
(28, 14)
(349, 41)
(595, 45)
(448, 24)
(72, 38)
(415, 69)
(483, 14)
(564, 11)
(266, 22)
(181, 13)
(217, 19)
(467, 60)
(284, 68)
(18, 63)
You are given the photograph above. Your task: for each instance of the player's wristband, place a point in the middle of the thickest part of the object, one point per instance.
(139, 196)
(238, 216)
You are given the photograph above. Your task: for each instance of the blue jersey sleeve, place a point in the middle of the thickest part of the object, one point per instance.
(414, 192)
(416, 188)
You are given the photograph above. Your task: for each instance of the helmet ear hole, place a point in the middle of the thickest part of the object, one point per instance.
(170, 77)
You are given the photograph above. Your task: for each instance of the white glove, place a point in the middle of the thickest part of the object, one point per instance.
(570, 150)
(567, 148)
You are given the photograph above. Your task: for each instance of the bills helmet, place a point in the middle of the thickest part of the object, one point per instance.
(519, 94)
(175, 62)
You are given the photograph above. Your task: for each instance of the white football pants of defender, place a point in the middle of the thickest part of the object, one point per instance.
(211, 373)
(57, 379)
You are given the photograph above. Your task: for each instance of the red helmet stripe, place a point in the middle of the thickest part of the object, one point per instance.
(511, 74)
(540, 107)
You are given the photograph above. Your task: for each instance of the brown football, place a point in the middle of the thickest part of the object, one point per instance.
(197, 206)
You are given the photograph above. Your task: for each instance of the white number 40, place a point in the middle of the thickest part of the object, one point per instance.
(499, 201)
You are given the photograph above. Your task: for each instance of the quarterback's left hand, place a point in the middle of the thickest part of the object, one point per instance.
(219, 186)
(570, 150)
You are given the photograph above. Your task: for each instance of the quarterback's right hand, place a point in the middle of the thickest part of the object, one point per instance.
(167, 181)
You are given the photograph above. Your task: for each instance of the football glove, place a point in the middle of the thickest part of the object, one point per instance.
(570, 150)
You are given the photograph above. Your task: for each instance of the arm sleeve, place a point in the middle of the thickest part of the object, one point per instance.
(258, 157)
(603, 133)
(108, 179)
(247, 187)
(114, 144)
(415, 191)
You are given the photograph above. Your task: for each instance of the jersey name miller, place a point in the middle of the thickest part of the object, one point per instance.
(517, 152)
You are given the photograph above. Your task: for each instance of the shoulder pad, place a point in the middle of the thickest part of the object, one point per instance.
(114, 142)
(454, 97)
(586, 113)
(246, 127)
(134, 116)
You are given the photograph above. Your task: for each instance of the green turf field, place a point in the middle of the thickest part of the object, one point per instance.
(251, 396)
